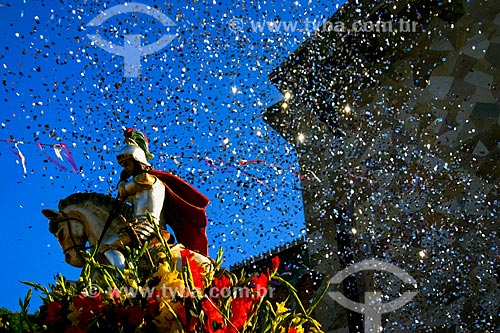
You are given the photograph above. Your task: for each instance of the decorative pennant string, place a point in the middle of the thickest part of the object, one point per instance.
(259, 180)
(298, 174)
(59, 165)
(247, 162)
(67, 154)
(221, 166)
(19, 154)
(57, 151)
(62, 153)
(210, 162)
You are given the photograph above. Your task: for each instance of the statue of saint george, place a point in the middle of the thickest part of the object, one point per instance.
(159, 197)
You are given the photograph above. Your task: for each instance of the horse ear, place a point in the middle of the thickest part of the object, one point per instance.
(50, 213)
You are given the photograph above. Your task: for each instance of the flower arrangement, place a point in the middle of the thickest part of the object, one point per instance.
(171, 293)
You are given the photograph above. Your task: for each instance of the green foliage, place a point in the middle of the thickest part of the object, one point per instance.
(19, 321)
(164, 289)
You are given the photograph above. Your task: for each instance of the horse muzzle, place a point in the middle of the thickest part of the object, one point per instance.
(73, 257)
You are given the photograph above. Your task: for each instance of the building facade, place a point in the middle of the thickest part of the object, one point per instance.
(393, 108)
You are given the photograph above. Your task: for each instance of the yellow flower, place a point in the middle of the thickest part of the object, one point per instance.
(299, 329)
(165, 320)
(296, 323)
(131, 282)
(171, 284)
(176, 328)
(163, 269)
(74, 315)
(281, 308)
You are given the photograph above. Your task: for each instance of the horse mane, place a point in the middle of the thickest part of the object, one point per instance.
(103, 201)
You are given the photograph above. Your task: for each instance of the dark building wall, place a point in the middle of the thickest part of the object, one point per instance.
(398, 137)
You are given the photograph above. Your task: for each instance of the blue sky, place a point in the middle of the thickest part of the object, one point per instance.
(198, 98)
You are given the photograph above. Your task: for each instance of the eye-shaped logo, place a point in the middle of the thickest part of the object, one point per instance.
(373, 308)
(132, 50)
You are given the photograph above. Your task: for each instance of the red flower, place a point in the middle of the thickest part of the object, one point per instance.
(214, 322)
(222, 282)
(276, 263)
(292, 330)
(196, 270)
(220, 287)
(260, 284)
(120, 314)
(181, 313)
(240, 308)
(135, 316)
(115, 294)
(132, 315)
(88, 304)
(85, 318)
(153, 304)
(89, 307)
(53, 312)
(74, 329)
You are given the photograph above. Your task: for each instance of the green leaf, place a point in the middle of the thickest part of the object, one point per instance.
(35, 285)
(317, 299)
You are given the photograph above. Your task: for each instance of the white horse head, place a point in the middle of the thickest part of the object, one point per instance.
(70, 234)
(80, 220)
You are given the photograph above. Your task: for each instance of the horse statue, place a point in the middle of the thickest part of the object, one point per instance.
(83, 217)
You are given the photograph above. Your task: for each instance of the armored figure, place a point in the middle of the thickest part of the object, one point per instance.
(145, 191)
(158, 197)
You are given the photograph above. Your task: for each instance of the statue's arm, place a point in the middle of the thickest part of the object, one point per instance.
(139, 183)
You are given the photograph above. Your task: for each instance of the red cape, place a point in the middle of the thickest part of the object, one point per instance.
(184, 210)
